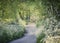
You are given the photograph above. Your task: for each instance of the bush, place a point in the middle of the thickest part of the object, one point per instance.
(10, 32)
(40, 38)
(51, 28)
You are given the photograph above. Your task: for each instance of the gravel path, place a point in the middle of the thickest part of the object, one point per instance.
(30, 37)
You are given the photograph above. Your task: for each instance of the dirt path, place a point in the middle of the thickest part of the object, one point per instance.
(30, 37)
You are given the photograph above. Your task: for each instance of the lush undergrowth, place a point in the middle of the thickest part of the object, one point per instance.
(51, 29)
(41, 38)
(51, 19)
(10, 32)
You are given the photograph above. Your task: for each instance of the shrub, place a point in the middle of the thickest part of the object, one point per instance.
(51, 28)
(40, 38)
(10, 32)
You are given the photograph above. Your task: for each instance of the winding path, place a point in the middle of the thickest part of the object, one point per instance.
(30, 37)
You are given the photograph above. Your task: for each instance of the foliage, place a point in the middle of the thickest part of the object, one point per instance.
(41, 12)
(10, 32)
(51, 21)
(41, 37)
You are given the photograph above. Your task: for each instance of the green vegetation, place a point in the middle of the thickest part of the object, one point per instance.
(20, 12)
(51, 21)
(41, 37)
(10, 32)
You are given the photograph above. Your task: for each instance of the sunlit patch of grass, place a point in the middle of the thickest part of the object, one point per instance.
(22, 22)
(55, 39)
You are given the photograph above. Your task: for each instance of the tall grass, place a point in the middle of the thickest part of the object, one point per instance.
(41, 37)
(10, 32)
